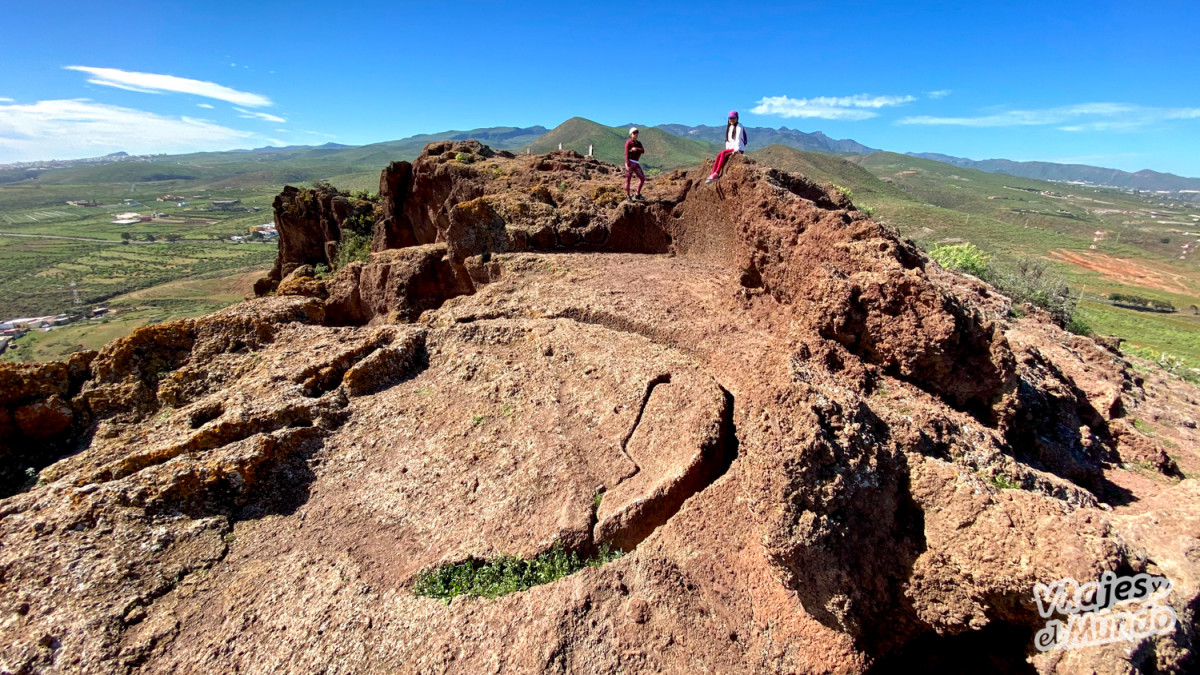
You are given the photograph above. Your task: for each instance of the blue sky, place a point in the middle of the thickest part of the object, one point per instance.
(1091, 82)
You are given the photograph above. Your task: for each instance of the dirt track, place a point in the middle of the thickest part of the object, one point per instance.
(1127, 271)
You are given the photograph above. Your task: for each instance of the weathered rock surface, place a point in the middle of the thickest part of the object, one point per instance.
(820, 451)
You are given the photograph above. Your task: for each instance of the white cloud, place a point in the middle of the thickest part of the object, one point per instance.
(251, 115)
(5, 100)
(63, 129)
(204, 105)
(940, 93)
(151, 83)
(1081, 117)
(859, 107)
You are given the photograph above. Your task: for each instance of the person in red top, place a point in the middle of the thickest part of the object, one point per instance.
(633, 153)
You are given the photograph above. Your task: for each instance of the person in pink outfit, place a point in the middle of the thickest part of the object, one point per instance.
(735, 141)
(633, 165)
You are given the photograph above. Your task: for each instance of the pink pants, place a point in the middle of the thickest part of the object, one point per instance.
(630, 169)
(724, 155)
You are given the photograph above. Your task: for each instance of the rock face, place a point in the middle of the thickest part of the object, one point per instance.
(818, 450)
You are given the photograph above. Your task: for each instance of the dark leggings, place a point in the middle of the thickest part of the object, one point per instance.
(630, 169)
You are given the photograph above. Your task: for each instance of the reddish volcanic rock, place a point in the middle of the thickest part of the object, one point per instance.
(818, 450)
(397, 284)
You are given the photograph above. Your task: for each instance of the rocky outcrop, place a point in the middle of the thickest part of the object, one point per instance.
(312, 223)
(39, 421)
(818, 450)
(396, 285)
(394, 229)
(306, 220)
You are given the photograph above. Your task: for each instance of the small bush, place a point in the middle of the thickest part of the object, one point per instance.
(356, 248)
(1002, 482)
(505, 575)
(1031, 280)
(1078, 326)
(962, 258)
(1162, 305)
(464, 158)
(1025, 280)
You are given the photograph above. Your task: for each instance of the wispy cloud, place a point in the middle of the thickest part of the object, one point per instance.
(1081, 117)
(940, 93)
(5, 100)
(251, 115)
(859, 107)
(204, 105)
(62, 129)
(151, 83)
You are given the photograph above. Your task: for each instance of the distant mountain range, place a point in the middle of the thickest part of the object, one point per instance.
(762, 137)
(1145, 179)
(667, 146)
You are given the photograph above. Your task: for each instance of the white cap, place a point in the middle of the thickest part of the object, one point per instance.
(632, 129)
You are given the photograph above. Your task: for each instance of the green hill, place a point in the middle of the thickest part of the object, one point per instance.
(663, 150)
(824, 168)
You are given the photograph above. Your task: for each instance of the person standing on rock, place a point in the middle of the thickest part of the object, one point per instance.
(633, 152)
(735, 141)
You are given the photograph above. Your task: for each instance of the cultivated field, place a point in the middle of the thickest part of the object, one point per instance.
(56, 258)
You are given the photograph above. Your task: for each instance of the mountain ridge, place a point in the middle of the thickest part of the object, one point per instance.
(762, 137)
(1145, 179)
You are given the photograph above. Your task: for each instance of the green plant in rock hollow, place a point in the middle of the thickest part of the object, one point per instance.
(1002, 482)
(464, 158)
(507, 574)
